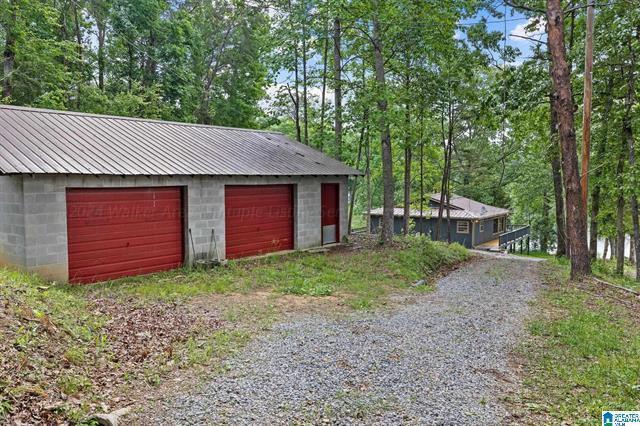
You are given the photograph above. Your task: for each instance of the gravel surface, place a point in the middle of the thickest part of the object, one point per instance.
(440, 359)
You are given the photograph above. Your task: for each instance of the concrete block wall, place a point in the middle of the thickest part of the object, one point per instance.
(45, 223)
(45, 236)
(12, 230)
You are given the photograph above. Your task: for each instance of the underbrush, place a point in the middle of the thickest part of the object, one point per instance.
(67, 351)
(606, 270)
(64, 355)
(361, 277)
(48, 334)
(584, 353)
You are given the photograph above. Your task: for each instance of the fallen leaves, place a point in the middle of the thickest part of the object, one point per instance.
(53, 375)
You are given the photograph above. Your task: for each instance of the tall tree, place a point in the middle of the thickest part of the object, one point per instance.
(576, 215)
(627, 134)
(556, 170)
(599, 171)
(385, 132)
(407, 151)
(9, 23)
(337, 84)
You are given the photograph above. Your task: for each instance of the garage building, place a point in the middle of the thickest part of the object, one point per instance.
(87, 198)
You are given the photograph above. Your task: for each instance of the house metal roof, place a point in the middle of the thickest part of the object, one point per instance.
(427, 212)
(39, 141)
(461, 208)
(478, 209)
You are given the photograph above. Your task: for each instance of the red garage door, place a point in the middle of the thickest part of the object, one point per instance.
(258, 219)
(117, 232)
(330, 215)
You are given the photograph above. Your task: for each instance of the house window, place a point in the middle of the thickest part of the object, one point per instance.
(462, 227)
(481, 226)
(498, 225)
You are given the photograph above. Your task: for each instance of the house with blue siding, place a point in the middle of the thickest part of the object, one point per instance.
(472, 224)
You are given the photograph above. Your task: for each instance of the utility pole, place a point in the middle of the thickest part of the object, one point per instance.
(586, 116)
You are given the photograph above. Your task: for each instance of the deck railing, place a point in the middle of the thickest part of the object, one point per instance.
(514, 233)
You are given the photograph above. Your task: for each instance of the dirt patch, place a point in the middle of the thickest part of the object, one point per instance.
(138, 332)
(56, 373)
(287, 304)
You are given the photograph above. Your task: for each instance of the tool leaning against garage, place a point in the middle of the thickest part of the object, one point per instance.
(207, 260)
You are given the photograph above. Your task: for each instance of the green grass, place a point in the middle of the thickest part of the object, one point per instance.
(584, 354)
(606, 270)
(563, 261)
(53, 342)
(217, 345)
(360, 278)
(603, 269)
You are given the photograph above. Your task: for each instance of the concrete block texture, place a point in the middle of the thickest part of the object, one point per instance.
(12, 234)
(40, 239)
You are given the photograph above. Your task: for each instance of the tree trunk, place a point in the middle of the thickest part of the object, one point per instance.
(296, 92)
(101, 25)
(305, 100)
(421, 171)
(619, 251)
(443, 185)
(323, 96)
(385, 136)
(296, 76)
(368, 178)
(77, 30)
(130, 69)
(448, 170)
(407, 165)
(448, 192)
(627, 131)
(151, 64)
(576, 215)
(354, 184)
(599, 161)
(605, 251)
(78, 34)
(445, 168)
(544, 233)
(9, 54)
(633, 199)
(558, 191)
(337, 77)
(586, 110)
(407, 189)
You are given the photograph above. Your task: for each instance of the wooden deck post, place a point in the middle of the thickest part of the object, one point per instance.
(521, 242)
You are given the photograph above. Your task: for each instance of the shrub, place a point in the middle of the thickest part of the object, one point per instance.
(435, 255)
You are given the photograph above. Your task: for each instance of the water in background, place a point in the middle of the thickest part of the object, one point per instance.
(627, 246)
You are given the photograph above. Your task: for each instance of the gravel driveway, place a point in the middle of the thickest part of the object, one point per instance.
(441, 359)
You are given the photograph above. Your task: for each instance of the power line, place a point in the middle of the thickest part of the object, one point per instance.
(493, 22)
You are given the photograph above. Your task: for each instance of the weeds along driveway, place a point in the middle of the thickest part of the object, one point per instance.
(437, 358)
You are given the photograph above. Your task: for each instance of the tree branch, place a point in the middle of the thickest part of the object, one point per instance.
(535, 40)
(522, 7)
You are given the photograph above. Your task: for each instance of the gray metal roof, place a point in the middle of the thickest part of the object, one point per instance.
(36, 141)
(476, 208)
(461, 208)
(426, 213)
